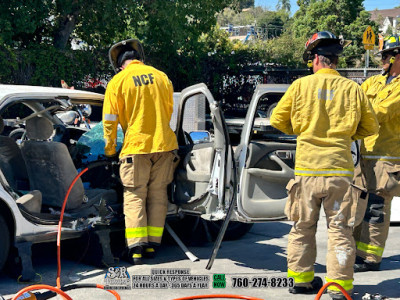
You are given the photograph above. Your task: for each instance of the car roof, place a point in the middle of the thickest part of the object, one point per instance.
(273, 87)
(29, 91)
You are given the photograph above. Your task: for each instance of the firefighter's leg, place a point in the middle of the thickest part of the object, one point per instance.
(157, 199)
(302, 245)
(341, 245)
(371, 236)
(135, 174)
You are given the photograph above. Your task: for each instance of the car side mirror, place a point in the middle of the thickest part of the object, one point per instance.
(200, 137)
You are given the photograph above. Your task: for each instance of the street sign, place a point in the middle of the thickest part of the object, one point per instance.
(369, 43)
(369, 36)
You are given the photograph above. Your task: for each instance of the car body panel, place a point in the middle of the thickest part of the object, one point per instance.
(262, 167)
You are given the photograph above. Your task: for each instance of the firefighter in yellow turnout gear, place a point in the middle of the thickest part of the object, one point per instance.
(140, 99)
(326, 111)
(380, 159)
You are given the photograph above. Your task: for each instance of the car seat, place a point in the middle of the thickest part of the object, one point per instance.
(14, 170)
(51, 171)
(11, 162)
(50, 166)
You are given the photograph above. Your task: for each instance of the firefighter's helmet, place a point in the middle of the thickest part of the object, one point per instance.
(390, 44)
(323, 43)
(121, 47)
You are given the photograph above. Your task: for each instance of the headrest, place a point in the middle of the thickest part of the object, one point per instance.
(1, 125)
(38, 128)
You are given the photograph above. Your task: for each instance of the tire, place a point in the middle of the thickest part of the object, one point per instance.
(4, 242)
(235, 229)
(17, 134)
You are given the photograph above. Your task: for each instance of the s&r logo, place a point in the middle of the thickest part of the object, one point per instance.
(117, 278)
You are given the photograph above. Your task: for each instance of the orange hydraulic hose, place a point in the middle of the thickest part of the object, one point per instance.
(110, 291)
(41, 286)
(322, 290)
(58, 280)
(211, 296)
(58, 289)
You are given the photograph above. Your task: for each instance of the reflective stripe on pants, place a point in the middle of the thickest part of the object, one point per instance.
(145, 178)
(311, 193)
(372, 233)
(346, 284)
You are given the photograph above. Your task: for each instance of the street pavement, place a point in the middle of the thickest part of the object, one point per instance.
(260, 253)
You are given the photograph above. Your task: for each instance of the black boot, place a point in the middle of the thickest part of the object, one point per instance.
(363, 265)
(337, 296)
(149, 252)
(312, 288)
(135, 255)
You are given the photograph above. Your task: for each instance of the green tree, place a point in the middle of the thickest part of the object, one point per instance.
(96, 22)
(170, 31)
(342, 17)
(40, 34)
(246, 4)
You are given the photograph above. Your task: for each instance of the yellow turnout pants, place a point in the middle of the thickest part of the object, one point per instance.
(306, 194)
(145, 178)
(381, 178)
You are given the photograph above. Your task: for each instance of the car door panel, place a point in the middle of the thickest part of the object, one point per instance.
(194, 173)
(265, 178)
(265, 165)
(202, 176)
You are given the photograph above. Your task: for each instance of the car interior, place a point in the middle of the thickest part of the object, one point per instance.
(38, 171)
(193, 174)
(268, 168)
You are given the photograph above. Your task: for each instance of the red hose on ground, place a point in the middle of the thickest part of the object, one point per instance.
(211, 296)
(58, 280)
(322, 290)
(110, 291)
(39, 287)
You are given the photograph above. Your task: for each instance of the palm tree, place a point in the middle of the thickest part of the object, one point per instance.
(283, 4)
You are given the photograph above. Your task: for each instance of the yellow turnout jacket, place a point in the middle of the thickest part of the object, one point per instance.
(385, 99)
(140, 98)
(326, 111)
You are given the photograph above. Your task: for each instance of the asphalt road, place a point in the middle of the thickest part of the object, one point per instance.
(260, 253)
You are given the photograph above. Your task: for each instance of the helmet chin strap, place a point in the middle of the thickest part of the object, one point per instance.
(310, 66)
(391, 61)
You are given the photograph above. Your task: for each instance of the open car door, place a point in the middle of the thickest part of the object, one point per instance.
(202, 178)
(265, 159)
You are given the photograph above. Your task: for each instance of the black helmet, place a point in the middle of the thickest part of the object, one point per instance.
(121, 47)
(323, 43)
(390, 43)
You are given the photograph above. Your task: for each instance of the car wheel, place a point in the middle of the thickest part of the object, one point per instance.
(4, 242)
(235, 229)
(271, 109)
(17, 134)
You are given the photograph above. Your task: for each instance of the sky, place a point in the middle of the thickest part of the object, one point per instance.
(368, 4)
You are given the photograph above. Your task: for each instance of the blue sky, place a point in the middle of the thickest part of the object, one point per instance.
(368, 4)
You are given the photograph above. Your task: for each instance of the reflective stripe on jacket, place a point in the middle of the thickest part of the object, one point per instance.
(385, 99)
(326, 111)
(140, 98)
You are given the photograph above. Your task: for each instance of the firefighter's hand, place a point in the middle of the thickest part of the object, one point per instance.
(110, 158)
